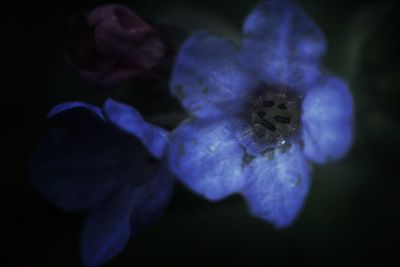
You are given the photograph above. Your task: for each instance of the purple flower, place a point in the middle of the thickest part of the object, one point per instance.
(261, 112)
(111, 44)
(106, 162)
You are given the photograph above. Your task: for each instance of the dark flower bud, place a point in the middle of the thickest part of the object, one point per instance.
(111, 44)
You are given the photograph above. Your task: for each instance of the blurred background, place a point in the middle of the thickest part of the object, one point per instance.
(351, 216)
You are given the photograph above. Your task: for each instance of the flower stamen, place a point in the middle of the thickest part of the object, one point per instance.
(261, 114)
(281, 119)
(282, 106)
(269, 103)
(268, 125)
(273, 117)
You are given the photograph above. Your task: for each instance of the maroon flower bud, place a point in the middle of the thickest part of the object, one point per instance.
(111, 44)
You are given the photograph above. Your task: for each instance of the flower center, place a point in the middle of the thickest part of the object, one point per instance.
(275, 117)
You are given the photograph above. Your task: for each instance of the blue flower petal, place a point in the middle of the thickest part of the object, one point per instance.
(327, 120)
(109, 226)
(277, 185)
(282, 44)
(207, 158)
(129, 119)
(71, 105)
(156, 196)
(82, 159)
(207, 75)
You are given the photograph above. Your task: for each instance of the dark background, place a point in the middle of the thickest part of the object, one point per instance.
(351, 216)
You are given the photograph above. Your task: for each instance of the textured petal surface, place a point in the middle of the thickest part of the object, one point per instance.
(328, 120)
(207, 75)
(82, 159)
(129, 119)
(282, 44)
(277, 185)
(109, 226)
(206, 158)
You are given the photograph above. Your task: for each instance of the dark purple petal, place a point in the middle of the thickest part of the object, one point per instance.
(82, 51)
(139, 48)
(82, 159)
(73, 105)
(157, 195)
(126, 17)
(111, 44)
(107, 228)
(110, 225)
(131, 121)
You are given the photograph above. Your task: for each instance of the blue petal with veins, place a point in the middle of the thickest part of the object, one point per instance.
(307, 116)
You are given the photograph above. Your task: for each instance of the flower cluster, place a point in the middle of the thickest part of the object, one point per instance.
(259, 113)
